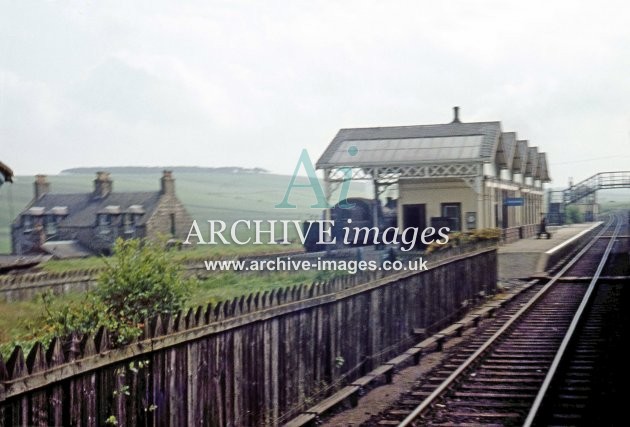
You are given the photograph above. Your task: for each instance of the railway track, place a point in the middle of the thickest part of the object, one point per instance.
(525, 357)
(583, 389)
(582, 393)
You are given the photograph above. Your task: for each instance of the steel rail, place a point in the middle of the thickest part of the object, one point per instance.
(553, 369)
(443, 387)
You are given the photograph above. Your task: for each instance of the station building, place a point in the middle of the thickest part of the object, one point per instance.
(467, 175)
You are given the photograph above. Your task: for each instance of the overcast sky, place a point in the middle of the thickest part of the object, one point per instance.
(251, 83)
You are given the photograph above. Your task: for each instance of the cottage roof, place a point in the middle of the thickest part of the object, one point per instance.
(82, 208)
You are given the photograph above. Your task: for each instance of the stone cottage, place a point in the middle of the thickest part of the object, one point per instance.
(82, 224)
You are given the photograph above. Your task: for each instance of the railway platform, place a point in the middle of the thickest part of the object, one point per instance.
(530, 257)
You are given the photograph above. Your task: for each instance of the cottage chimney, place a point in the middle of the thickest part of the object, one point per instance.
(41, 186)
(102, 185)
(456, 115)
(167, 183)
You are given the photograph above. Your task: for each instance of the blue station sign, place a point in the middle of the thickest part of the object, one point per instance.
(513, 201)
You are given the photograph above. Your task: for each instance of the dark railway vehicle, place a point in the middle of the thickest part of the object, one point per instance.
(361, 212)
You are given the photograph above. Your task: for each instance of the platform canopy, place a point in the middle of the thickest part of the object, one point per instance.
(451, 150)
(412, 144)
(506, 150)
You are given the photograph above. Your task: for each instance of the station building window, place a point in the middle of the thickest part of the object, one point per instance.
(453, 211)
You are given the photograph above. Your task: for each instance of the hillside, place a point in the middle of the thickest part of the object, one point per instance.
(226, 196)
(158, 169)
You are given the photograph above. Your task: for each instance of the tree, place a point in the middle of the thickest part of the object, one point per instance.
(572, 215)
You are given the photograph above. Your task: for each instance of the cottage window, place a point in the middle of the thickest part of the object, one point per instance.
(129, 222)
(51, 225)
(27, 223)
(104, 219)
(104, 222)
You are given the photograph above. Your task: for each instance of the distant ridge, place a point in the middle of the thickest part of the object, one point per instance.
(158, 169)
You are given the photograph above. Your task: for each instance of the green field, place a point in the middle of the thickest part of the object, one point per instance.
(217, 195)
(206, 195)
(22, 320)
(194, 256)
(613, 200)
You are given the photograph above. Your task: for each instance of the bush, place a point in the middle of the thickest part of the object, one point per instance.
(459, 238)
(140, 280)
(83, 317)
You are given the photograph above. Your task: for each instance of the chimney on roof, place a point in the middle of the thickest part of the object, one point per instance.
(102, 185)
(41, 186)
(456, 115)
(167, 183)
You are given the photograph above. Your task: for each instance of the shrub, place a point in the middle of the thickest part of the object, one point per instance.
(572, 215)
(487, 234)
(83, 317)
(459, 238)
(141, 280)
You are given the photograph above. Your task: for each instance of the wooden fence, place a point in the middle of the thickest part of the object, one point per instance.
(19, 287)
(255, 360)
(25, 286)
